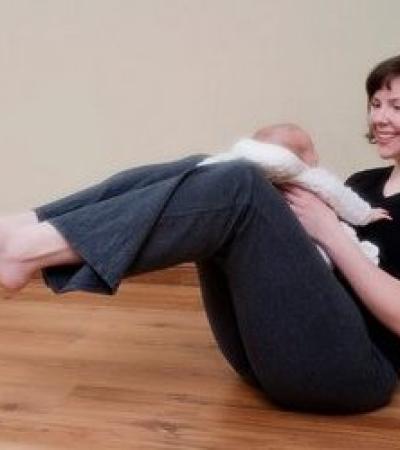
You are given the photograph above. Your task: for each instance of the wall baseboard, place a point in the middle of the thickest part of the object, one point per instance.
(182, 274)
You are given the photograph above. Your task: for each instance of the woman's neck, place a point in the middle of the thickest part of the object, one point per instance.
(395, 174)
(392, 184)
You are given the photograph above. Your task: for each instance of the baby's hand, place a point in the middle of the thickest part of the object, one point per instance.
(379, 214)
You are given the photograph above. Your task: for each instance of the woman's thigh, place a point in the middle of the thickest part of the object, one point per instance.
(304, 335)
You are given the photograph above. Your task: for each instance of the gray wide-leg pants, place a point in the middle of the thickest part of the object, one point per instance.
(279, 315)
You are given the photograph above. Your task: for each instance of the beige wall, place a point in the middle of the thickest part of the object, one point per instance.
(89, 87)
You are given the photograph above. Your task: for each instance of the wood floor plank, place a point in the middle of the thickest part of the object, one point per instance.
(140, 370)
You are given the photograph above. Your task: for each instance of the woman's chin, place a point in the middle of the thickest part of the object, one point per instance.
(388, 153)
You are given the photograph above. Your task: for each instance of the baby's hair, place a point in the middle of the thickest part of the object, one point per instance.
(290, 136)
(267, 131)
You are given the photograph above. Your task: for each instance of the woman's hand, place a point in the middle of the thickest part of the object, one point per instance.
(319, 220)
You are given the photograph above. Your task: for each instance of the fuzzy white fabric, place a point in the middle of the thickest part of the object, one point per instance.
(280, 165)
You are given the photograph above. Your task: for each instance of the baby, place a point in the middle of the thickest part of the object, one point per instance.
(287, 155)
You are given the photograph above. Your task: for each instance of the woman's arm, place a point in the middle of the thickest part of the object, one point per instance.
(379, 291)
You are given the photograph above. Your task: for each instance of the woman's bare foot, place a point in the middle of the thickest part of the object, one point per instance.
(14, 274)
(26, 249)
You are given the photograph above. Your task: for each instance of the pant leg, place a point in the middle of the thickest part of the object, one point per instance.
(303, 334)
(117, 184)
(109, 234)
(218, 305)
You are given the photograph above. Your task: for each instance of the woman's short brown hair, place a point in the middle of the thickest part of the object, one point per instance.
(382, 75)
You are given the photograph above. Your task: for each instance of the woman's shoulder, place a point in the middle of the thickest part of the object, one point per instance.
(368, 176)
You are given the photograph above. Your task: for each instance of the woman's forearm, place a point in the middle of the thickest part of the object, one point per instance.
(379, 291)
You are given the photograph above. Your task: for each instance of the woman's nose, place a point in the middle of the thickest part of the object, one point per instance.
(379, 115)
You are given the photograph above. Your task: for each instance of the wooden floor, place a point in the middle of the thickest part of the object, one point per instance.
(140, 370)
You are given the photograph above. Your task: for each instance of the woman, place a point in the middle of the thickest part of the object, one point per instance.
(310, 338)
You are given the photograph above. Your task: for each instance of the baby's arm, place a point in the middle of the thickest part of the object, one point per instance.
(346, 203)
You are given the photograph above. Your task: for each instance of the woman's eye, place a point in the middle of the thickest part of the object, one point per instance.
(374, 105)
(396, 107)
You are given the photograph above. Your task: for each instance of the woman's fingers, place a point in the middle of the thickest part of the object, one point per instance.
(288, 195)
(294, 195)
(296, 191)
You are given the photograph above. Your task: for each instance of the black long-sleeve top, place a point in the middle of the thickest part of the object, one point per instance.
(385, 234)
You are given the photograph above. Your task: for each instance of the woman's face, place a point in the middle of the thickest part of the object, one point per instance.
(384, 120)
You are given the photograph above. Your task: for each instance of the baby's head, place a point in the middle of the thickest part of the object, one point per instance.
(291, 137)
